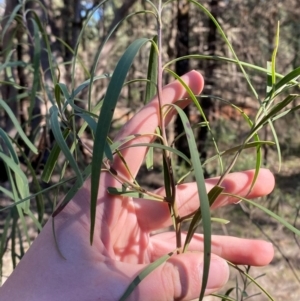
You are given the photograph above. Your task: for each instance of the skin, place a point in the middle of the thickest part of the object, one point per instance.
(123, 244)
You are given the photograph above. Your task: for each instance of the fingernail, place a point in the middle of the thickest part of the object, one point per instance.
(218, 273)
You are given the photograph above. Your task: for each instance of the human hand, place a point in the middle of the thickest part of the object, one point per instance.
(123, 244)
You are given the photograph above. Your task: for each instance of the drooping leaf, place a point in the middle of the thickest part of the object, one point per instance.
(20, 178)
(151, 89)
(267, 211)
(145, 272)
(55, 126)
(196, 103)
(71, 192)
(36, 67)
(11, 18)
(204, 211)
(16, 124)
(52, 159)
(105, 118)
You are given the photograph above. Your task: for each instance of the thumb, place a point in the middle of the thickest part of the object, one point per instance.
(180, 278)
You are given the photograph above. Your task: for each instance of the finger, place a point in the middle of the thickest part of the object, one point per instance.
(236, 250)
(155, 215)
(147, 120)
(180, 278)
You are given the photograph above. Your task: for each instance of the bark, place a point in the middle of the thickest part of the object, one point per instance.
(182, 67)
(210, 67)
(9, 92)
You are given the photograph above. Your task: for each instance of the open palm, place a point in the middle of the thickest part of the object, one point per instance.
(123, 244)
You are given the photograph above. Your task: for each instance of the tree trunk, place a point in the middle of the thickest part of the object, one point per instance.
(182, 67)
(9, 92)
(209, 71)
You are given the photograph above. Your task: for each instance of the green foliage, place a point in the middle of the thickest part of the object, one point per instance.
(69, 122)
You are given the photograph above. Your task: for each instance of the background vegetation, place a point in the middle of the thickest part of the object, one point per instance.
(32, 67)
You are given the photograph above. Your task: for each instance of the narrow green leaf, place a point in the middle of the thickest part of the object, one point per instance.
(212, 196)
(278, 148)
(117, 144)
(86, 83)
(214, 193)
(227, 60)
(169, 184)
(7, 192)
(55, 239)
(269, 77)
(17, 126)
(203, 197)
(47, 43)
(84, 125)
(89, 120)
(36, 182)
(196, 103)
(10, 65)
(71, 193)
(149, 158)
(195, 222)
(252, 280)
(20, 177)
(11, 18)
(19, 210)
(234, 149)
(267, 211)
(282, 114)
(57, 91)
(64, 90)
(93, 125)
(145, 272)
(10, 194)
(11, 83)
(160, 146)
(224, 297)
(53, 157)
(289, 78)
(151, 89)
(274, 55)
(34, 219)
(273, 111)
(105, 118)
(9, 145)
(79, 60)
(36, 67)
(220, 220)
(55, 126)
(257, 166)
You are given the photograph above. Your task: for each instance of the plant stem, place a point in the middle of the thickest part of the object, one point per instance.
(171, 190)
